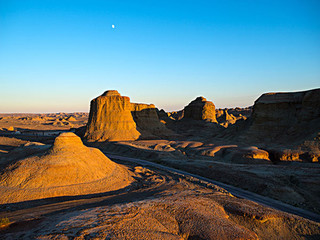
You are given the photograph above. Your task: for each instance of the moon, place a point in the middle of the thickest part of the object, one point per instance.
(112, 26)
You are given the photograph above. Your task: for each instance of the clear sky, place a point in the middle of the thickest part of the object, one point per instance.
(55, 56)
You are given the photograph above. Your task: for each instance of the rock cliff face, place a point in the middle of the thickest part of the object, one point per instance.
(147, 120)
(113, 118)
(110, 119)
(286, 114)
(200, 109)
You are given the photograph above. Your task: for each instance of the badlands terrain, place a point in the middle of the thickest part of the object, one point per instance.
(60, 177)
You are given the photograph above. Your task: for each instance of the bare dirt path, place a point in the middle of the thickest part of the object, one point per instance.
(238, 192)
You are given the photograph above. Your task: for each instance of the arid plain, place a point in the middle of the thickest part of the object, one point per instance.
(60, 177)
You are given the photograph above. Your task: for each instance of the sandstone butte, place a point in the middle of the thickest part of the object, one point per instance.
(292, 113)
(200, 109)
(68, 168)
(113, 117)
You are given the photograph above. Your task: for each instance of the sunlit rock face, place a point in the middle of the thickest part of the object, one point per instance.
(67, 168)
(113, 118)
(110, 119)
(279, 114)
(200, 109)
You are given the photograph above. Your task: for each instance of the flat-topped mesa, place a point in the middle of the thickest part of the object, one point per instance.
(200, 109)
(110, 119)
(291, 113)
(113, 118)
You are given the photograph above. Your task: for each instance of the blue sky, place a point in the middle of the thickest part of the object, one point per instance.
(58, 55)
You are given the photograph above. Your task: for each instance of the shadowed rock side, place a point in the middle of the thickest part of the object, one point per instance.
(225, 119)
(196, 120)
(229, 116)
(68, 168)
(286, 116)
(176, 115)
(113, 118)
(200, 109)
(147, 120)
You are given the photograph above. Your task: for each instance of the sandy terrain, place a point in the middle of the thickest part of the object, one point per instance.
(67, 168)
(157, 206)
(51, 121)
(295, 183)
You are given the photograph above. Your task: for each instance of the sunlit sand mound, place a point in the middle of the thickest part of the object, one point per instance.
(71, 118)
(68, 168)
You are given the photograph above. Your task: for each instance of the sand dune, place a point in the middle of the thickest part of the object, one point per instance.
(68, 168)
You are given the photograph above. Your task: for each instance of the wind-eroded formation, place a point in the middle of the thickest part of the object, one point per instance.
(286, 116)
(284, 119)
(271, 148)
(113, 118)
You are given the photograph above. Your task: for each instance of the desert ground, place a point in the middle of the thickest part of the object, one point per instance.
(57, 181)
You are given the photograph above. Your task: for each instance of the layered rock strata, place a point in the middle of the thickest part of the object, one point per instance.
(113, 118)
(278, 115)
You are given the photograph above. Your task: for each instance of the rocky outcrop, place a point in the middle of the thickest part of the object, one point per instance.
(110, 119)
(200, 109)
(67, 168)
(229, 116)
(249, 155)
(163, 116)
(113, 118)
(147, 120)
(176, 115)
(225, 118)
(241, 112)
(280, 116)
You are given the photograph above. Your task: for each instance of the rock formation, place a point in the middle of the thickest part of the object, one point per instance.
(68, 168)
(225, 118)
(110, 119)
(164, 116)
(246, 155)
(240, 112)
(11, 129)
(200, 109)
(283, 115)
(147, 120)
(113, 118)
(176, 115)
(71, 118)
(229, 116)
